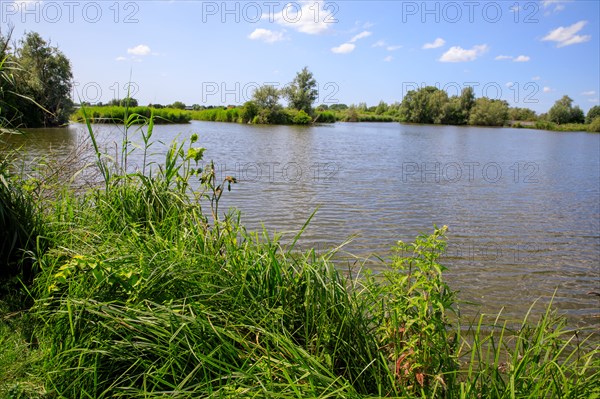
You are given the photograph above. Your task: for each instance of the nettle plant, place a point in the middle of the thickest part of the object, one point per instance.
(414, 303)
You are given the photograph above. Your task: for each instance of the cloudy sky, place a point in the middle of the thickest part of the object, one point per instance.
(529, 53)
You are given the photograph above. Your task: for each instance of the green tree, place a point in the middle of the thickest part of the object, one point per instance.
(453, 112)
(467, 101)
(592, 114)
(382, 108)
(267, 97)
(577, 115)
(521, 114)
(394, 109)
(436, 103)
(487, 112)
(338, 107)
(249, 111)
(45, 76)
(302, 92)
(425, 105)
(178, 105)
(563, 112)
(128, 102)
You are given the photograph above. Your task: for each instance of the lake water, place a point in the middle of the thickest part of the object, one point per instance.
(522, 206)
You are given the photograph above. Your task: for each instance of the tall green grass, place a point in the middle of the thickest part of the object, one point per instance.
(21, 226)
(147, 289)
(120, 115)
(218, 115)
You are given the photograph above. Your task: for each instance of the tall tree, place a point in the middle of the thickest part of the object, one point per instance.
(467, 101)
(45, 77)
(302, 92)
(267, 97)
(563, 112)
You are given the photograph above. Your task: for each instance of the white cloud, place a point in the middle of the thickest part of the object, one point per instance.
(344, 48)
(567, 36)
(459, 54)
(439, 42)
(266, 35)
(536, 78)
(121, 58)
(389, 58)
(547, 89)
(558, 5)
(594, 100)
(509, 84)
(522, 58)
(301, 17)
(140, 49)
(382, 43)
(361, 35)
(588, 93)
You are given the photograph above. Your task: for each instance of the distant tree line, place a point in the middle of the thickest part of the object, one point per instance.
(430, 105)
(36, 83)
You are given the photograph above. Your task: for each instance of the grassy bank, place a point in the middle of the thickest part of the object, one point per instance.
(143, 287)
(139, 115)
(593, 127)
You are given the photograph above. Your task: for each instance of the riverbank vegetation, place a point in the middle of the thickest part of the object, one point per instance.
(426, 106)
(119, 114)
(36, 82)
(140, 286)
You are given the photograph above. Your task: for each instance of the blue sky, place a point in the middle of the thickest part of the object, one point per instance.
(529, 53)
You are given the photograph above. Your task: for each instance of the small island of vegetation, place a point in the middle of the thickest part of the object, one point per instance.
(428, 105)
